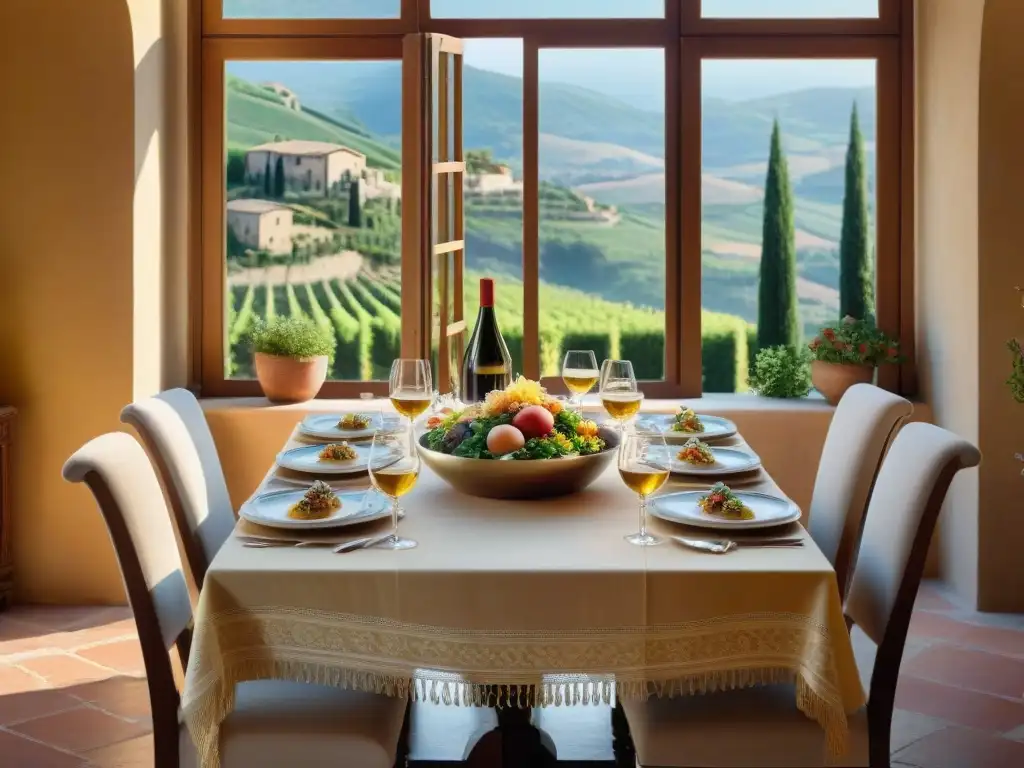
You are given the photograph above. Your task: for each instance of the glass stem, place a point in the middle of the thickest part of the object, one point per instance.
(643, 515)
(394, 518)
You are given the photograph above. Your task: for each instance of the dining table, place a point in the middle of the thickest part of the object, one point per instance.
(523, 604)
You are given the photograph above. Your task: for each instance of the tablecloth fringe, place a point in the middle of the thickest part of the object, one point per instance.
(216, 703)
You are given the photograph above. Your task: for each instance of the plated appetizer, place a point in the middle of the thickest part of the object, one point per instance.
(696, 452)
(337, 452)
(354, 421)
(521, 421)
(317, 503)
(687, 421)
(720, 501)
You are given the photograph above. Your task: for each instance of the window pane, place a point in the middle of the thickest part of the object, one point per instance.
(813, 102)
(546, 9)
(602, 208)
(790, 9)
(313, 173)
(312, 9)
(492, 93)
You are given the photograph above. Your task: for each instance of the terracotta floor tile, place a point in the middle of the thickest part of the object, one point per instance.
(134, 753)
(908, 727)
(61, 670)
(930, 598)
(117, 630)
(16, 707)
(20, 637)
(122, 696)
(967, 668)
(1016, 734)
(124, 656)
(956, 747)
(996, 639)
(17, 751)
(937, 626)
(81, 729)
(978, 710)
(14, 680)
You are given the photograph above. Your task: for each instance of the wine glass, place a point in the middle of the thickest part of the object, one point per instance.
(394, 467)
(411, 389)
(620, 395)
(580, 374)
(644, 462)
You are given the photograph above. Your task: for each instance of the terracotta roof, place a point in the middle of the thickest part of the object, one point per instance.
(255, 206)
(303, 147)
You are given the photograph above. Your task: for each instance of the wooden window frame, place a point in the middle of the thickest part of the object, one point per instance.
(687, 39)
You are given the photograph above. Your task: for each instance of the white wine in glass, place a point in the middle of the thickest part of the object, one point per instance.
(411, 389)
(644, 462)
(394, 468)
(620, 395)
(580, 374)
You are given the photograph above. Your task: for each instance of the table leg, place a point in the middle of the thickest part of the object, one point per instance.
(516, 742)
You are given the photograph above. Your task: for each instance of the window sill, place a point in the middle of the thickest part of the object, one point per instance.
(721, 404)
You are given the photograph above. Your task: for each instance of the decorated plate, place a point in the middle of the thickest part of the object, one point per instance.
(271, 509)
(324, 426)
(769, 511)
(728, 461)
(306, 458)
(715, 427)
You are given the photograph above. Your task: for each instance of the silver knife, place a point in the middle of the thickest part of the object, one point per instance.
(369, 541)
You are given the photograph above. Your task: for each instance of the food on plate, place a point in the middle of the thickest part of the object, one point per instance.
(317, 503)
(353, 421)
(503, 439)
(696, 452)
(521, 422)
(687, 421)
(534, 421)
(720, 501)
(337, 452)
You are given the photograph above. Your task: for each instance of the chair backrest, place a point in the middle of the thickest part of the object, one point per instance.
(175, 432)
(865, 421)
(901, 519)
(121, 478)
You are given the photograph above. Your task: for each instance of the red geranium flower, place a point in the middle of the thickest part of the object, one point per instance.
(863, 348)
(829, 334)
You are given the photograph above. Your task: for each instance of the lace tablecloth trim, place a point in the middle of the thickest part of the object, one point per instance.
(548, 668)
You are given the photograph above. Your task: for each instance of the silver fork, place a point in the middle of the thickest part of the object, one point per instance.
(722, 546)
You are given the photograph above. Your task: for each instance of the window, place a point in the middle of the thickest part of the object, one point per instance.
(613, 164)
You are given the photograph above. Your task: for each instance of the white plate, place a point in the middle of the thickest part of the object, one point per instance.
(271, 510)
(728, 461)
(324, 426)
(769, 511)
(306, 458)
(715, 427)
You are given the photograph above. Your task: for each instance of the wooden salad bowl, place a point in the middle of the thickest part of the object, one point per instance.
(515, 479)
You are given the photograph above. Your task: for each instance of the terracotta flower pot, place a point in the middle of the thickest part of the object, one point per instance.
(289, 379)
(833, 379)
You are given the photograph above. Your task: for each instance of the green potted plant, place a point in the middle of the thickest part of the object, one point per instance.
(292, 356)
(782, 371)
(847, 354)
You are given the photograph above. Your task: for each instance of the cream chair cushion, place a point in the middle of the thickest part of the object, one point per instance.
(864, 424)
(276, 724)
(737, 729)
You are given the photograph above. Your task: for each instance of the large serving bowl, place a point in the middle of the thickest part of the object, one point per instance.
(514, 479)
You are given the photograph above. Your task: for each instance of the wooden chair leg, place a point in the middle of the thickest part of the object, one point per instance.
(622, 742)
(402, 751)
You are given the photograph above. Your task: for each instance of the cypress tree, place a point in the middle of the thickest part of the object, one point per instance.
(778, 320)
(355, 205)
(266, 179)
(279, 178)
(856, 282)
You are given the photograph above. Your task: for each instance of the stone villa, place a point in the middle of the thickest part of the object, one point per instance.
(261, 225)
(316, 167)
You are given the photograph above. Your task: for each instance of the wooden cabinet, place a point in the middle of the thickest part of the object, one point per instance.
(6, 566)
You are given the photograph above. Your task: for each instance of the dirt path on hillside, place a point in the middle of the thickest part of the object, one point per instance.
(340, 266)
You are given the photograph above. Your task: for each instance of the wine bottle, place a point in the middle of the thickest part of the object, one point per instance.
(487, 364)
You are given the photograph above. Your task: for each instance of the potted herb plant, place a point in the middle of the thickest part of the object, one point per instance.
(847, 354)
(781, 371)
(292, 356)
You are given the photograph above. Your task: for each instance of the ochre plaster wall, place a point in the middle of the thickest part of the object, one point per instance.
(1001, 316)
(65, 276)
